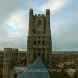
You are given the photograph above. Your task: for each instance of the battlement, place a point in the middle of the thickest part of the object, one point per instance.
(33, 14)
(10, 49)
(39, 15)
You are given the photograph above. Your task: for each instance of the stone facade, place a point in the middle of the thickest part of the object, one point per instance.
(8, 61)
(39, 37)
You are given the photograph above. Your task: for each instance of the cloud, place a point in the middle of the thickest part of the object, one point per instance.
(17, 22)
(54, 5)
(7, 7)
(16, 30)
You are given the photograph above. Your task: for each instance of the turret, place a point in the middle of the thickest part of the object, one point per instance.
(47, 12)
(31, 12)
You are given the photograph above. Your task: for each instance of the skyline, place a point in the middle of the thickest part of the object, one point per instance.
(14, 22)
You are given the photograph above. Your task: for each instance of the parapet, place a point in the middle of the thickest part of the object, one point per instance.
(39, 15)
(10, 49)
(47, 13)
(13, 50)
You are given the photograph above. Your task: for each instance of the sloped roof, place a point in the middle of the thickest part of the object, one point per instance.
(36, 70)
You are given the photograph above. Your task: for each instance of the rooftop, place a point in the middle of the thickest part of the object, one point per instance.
(36, 70)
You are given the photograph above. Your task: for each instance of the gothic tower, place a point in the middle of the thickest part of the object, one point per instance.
(39, 36)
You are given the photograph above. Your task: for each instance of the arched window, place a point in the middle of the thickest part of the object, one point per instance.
(34, 42)
(38, 41)
(39, 22)
(43, 42)
(34, 31)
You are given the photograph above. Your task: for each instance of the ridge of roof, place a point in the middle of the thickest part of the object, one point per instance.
(36, 70)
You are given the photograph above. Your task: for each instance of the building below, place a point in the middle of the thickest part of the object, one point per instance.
(35, 70)
(9, 58)
(14, 62)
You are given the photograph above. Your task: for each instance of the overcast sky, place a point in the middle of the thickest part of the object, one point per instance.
(64, 22)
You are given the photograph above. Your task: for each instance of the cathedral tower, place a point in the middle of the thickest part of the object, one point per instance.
(39, 36)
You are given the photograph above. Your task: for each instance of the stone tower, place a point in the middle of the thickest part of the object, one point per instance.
(39, 36)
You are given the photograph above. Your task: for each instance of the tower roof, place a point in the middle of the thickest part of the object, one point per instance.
(36, 70)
